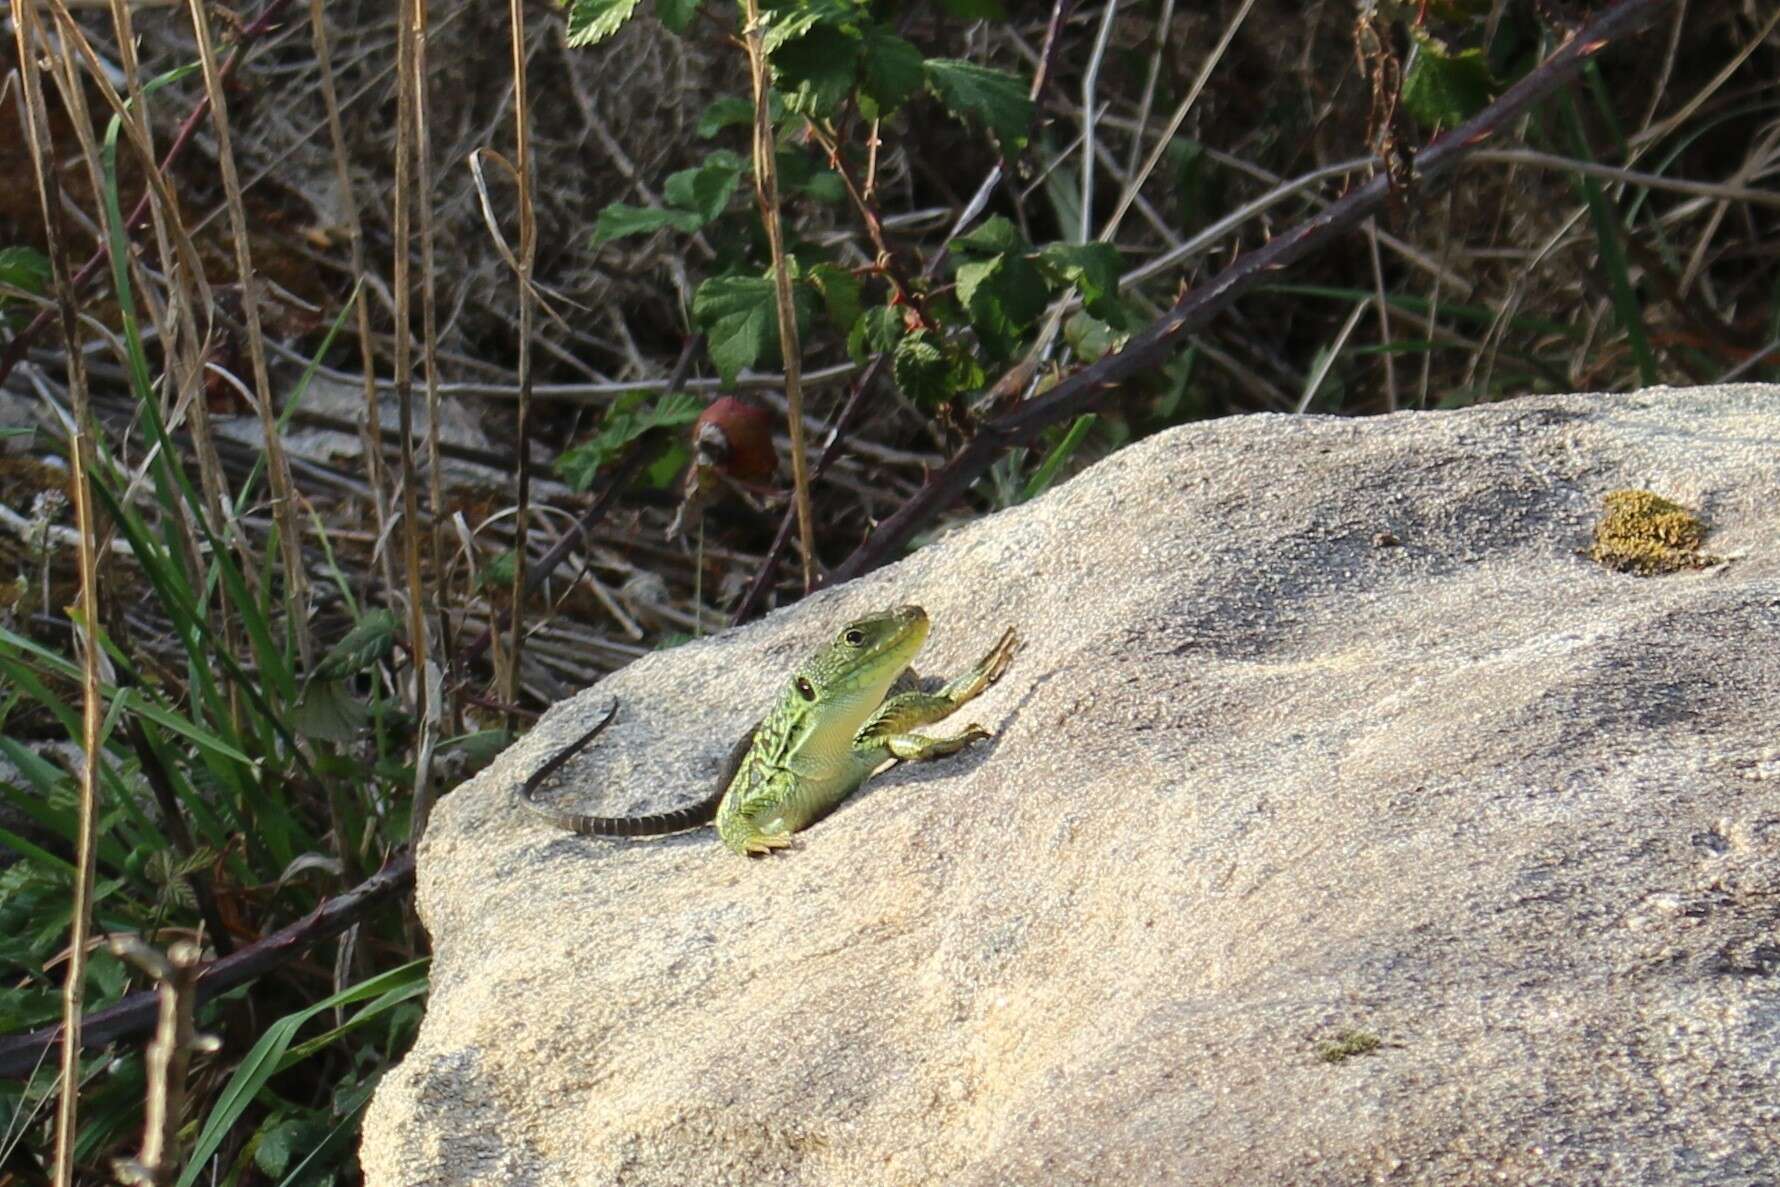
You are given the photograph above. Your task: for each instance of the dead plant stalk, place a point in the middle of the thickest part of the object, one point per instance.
(29, 40)
(766, 192)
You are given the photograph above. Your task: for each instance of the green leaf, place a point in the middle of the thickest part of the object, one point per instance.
(994, 98)
(727, 112)
(592, 21)
(620, 220)
(370, 639)
(1092, 268)
(675, 14)
(24, 268)
(1090, 338)
(1002, 295)
(920, 369)
(798, 20)
(884, 326)
(816, 72)
(705, 190)
(878, 329)
(991, 237)
(840, 294)
(1446, 89)
(740, 318)
(627, 418)
(890, 72)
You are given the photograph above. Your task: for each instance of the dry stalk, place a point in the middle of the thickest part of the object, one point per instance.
(375, 477)
(528, 250)
(425, 711)
(429, 350)
(278, 478)
(49, 194)
(766, 192)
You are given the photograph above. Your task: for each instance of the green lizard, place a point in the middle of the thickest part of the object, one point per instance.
(831, 729)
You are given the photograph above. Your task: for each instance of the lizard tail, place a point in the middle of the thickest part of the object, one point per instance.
(652, 825)
(655, 824)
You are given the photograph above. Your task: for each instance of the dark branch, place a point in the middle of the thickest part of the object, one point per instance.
(1087, 388)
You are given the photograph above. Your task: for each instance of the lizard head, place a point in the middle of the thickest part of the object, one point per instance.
(862, 660)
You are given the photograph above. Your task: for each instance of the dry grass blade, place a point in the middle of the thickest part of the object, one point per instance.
(415, 589)
(29, 40)
(278, 479)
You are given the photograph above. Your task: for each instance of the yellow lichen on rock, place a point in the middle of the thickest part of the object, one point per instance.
(1644, 533)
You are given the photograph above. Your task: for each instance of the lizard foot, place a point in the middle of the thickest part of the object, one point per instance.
(766, 842)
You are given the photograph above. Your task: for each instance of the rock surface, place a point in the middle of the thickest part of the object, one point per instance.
(1326, 736)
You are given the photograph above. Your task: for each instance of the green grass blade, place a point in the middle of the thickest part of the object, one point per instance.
(267, 1058)
(1047, 469)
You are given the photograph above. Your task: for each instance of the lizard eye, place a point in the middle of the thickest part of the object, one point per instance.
(805, 689)
(854, 636)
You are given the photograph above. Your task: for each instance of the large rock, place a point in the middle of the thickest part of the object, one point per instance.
(1268, 790)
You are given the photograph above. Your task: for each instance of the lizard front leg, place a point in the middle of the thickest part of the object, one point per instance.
(887, 733)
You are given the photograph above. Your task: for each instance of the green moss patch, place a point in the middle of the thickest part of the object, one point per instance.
(1646, 534)
(1346, 1044)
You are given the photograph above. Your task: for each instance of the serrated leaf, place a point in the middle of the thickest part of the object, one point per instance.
(705, 189)
(991, 237)
(621, 219)
(724, 113)
(889, 72)
(920, 369)
(878, 329)
(816, 72)
(992, 97)
(1091, 268)
(24, 268)
(592, 21)
(840, 294)
(676, 14)
(797, 20)
(1002, 295)
(1446, 89)
(370, 639)
(739, 315)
